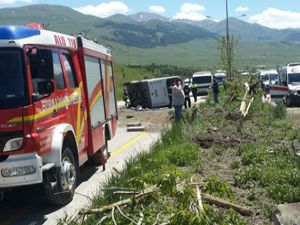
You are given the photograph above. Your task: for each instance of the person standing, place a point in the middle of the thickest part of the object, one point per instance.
(125, 96)
(170, 93)
(177, 100)
(215, 90)
(194, 92)
(187, 101)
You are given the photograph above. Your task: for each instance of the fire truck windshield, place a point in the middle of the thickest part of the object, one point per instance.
(12, 89)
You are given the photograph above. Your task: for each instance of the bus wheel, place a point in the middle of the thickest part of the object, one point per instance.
(66, 179)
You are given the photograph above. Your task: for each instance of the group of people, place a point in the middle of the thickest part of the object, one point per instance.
(180, 96)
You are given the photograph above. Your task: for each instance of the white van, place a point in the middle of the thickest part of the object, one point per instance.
(202, 81)
(220, 77)
(269, 77)
(289, 85)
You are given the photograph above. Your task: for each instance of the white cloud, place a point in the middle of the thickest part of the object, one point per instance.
(242, 9)
(276, 18)
(14, 1)
(191, 12)
(157, 9)
(104, 9)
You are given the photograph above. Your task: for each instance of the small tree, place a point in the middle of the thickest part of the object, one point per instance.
(227, 53)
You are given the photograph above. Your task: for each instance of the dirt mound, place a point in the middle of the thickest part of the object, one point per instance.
(226, 140)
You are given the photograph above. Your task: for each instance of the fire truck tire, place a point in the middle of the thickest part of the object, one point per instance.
(66, 177)
(101, 156)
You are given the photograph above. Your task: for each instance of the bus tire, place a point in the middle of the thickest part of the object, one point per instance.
(66, 177)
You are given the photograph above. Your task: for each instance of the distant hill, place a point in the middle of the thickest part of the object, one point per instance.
(144, 38)
(120, 18)
(152, 33)
(141, 29)
(250, 31)
(54, 17)
(145, 17)
(203, 23)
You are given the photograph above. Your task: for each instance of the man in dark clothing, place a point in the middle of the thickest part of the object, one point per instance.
(170, 93)
(125, 96)
(194, 92)
(187, 100)
(215, 90)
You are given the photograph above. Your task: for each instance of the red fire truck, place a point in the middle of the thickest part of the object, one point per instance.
(57, 108)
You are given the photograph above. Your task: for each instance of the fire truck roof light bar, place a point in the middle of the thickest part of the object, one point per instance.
(17, 32)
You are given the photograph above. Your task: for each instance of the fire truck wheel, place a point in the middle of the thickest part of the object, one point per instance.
(101, 156)
(66, 176)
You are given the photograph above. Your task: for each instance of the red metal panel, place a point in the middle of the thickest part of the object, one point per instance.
(98, 140)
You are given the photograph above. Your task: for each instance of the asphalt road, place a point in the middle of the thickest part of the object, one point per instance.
(28, 206)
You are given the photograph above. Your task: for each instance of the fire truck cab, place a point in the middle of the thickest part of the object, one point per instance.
(57, 108)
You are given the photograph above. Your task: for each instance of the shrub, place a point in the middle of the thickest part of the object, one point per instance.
(278, 112)
(218, 188)
(184, 154)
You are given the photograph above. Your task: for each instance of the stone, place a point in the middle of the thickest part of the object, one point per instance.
(134, 124)
(287, 214)
(139, 128)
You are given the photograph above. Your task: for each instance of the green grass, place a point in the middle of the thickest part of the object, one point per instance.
(170, 163)
(204, 54)
(262, 169)
(124, 74)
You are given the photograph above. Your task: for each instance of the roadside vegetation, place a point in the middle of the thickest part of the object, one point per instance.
(248, 161)
(124, 74)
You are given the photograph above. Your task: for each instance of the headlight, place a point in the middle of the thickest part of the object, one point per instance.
(13, 144)
(18, 171)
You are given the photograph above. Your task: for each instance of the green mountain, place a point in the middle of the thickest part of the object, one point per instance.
(53, 17)
(145, 17)
(250, 31)
(156, 39)
(152, 33)
(120, 18)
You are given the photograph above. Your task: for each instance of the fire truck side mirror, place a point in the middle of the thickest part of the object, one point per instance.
(45, 87)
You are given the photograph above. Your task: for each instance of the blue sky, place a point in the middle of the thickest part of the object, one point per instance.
(272, 13)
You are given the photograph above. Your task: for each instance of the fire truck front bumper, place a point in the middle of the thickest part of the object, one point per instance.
(21, 170)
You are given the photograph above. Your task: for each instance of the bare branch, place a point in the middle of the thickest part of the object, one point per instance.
(103, 219)
(113, 216)
(220, 202)
(199, 199)
(125, 215)
(126, 192)
(141, 219)
(107, 208)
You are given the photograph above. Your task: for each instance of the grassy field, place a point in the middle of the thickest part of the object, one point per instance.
(248, 55)
(204, 54)
(244, 160)
(124, 74)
